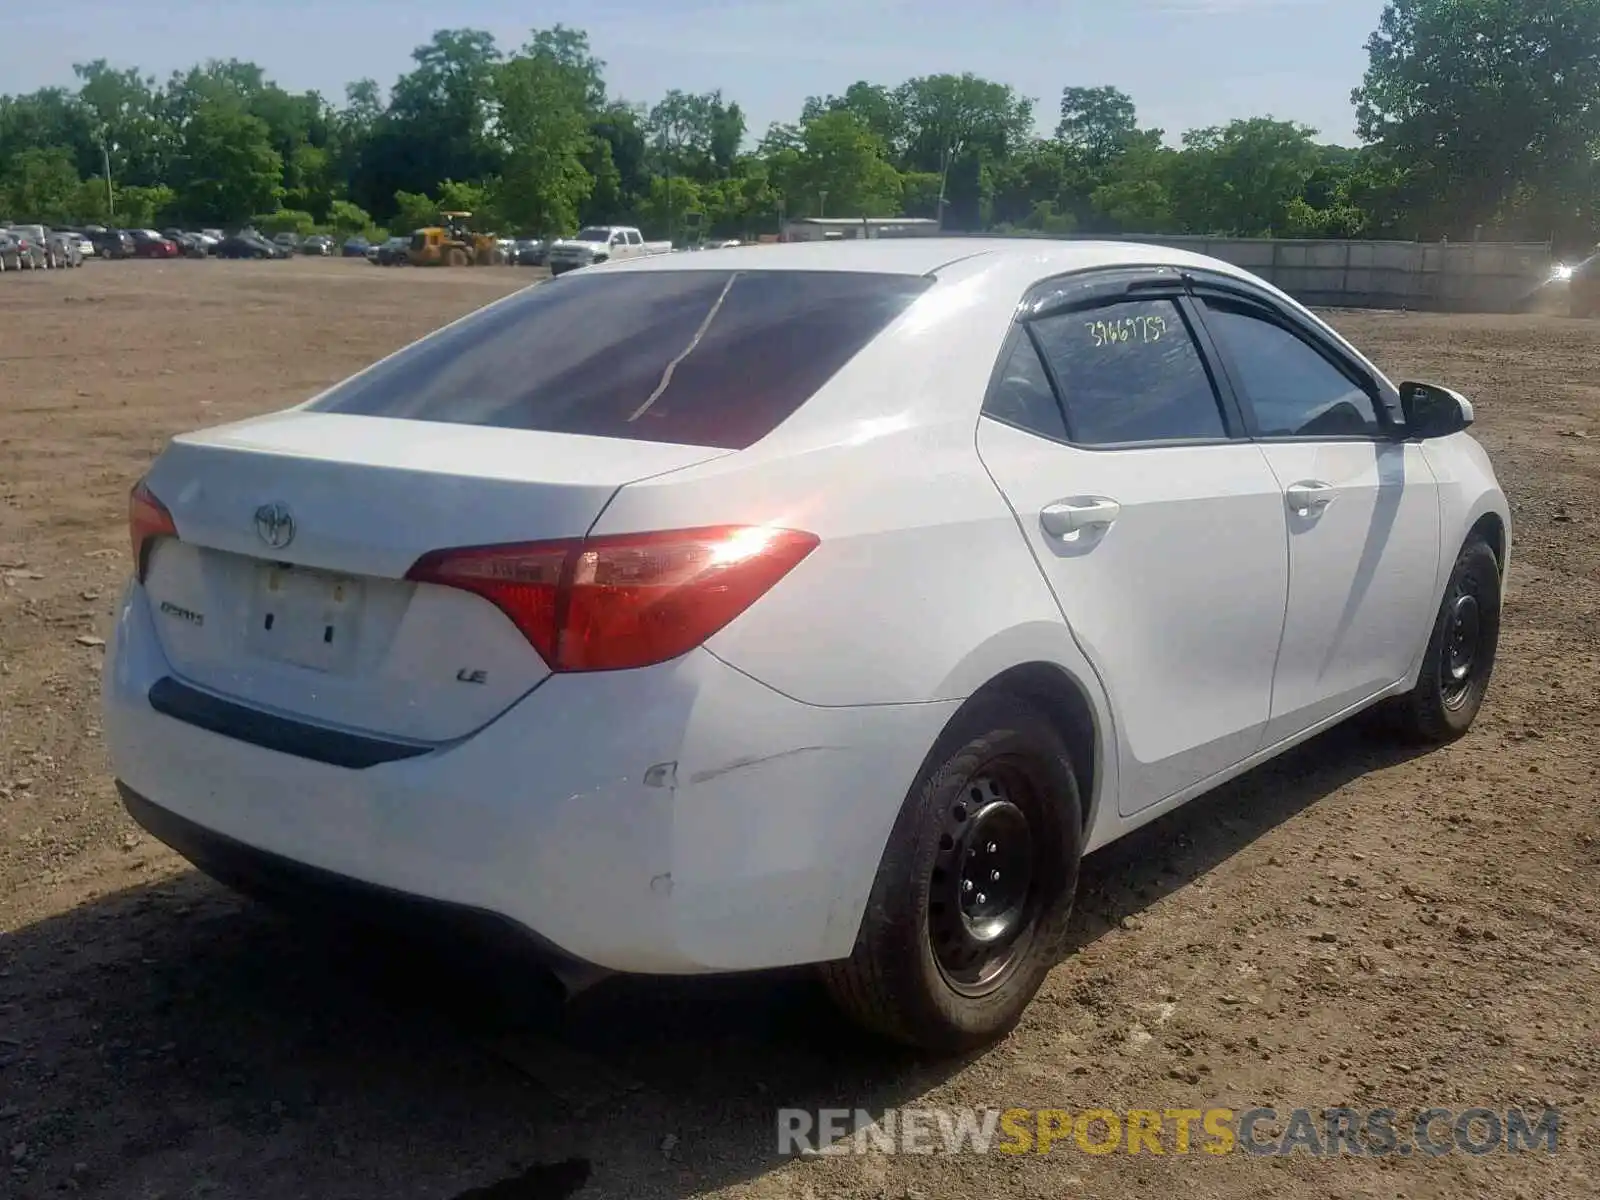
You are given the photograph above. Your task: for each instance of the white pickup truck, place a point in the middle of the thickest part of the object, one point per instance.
(600, 243)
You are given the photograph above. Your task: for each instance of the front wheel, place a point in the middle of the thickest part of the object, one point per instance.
(1461, 651)
(969, 909)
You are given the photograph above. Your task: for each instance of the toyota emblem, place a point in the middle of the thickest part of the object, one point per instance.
(275, 525)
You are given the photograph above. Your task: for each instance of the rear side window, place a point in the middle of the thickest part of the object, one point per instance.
(704, 358)
(1023, 397)
(1130, 373)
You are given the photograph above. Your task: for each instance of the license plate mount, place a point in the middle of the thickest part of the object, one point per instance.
(306, 618)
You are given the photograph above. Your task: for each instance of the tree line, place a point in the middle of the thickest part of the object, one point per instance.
(1477, 117)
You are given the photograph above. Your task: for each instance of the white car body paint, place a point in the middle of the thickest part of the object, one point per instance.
(728, 809)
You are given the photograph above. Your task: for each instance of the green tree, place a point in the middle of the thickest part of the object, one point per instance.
(695, 135)
(1492, 105)
(437, 123)
(961, 126)
(285, 220)
(1239, 178)
(146, 207)
(1096, 122)
(125, 109)
(226, 169)
(40, 185)
(413, 210)
(545, 93)
(875, 106)
(671, 199)
(839, 169)
(348, 219)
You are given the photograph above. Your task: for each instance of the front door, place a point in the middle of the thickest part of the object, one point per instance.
(1363, 515)
(1161, 536)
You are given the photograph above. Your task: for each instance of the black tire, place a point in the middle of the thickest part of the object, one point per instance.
(997, 751)
(1459, 661)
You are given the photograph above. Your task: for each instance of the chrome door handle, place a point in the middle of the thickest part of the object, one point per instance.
(1066, 517)
(1309, 497)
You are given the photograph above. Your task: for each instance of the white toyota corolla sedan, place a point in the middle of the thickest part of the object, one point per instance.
(794, 604)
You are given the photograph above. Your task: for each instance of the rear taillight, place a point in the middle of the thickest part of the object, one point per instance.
(630, 600)
(148, 519)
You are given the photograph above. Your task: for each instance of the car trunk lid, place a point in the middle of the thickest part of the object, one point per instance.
(285, 589)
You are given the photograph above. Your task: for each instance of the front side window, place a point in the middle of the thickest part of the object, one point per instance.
(1293, 390)
(1130, 373)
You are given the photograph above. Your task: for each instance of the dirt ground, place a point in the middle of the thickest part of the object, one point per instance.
(1351, 925)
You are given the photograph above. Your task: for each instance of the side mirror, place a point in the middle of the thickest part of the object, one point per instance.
(1432, 411)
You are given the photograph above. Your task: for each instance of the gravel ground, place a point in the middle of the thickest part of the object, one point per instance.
(1350, 925)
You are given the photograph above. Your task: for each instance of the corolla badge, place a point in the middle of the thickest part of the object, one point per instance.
(275, 525)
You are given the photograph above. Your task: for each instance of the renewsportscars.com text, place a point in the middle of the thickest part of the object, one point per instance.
(1377, 1132)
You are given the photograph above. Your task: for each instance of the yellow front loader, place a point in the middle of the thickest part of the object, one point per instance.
(454, 244)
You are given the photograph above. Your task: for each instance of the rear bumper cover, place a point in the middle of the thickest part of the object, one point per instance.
(674, 820)
(309, 891)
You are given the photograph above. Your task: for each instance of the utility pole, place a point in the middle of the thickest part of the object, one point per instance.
(105, 159)
(951, 149)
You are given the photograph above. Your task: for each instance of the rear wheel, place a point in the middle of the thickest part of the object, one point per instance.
(969, 909)
(457, 258)
(1461, 651)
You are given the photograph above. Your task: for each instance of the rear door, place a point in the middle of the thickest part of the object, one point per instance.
(1361, 504)
(1161, 533)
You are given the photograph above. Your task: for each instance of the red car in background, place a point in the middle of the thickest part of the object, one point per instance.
(147, 243)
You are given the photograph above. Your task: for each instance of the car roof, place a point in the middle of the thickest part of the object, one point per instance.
(928, 255)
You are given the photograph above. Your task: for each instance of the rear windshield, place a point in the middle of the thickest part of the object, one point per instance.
(703, 358)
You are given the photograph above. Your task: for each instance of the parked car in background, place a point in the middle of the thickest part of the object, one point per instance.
(530, 252)
(192, 245)
(601, 243)
(147, 243)
(355, 247)
(65, 250)
(111, 243)
(85, 245)
(249, 245)
(392, 253)
(287, 241)
(318, 244)
(10, 253)
(34, 254)
(38, 237)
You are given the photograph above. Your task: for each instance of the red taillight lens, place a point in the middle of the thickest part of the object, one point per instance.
(632, 600)
(148, 518)
(523, 581)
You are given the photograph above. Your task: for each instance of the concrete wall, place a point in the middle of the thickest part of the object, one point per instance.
(1448, 276)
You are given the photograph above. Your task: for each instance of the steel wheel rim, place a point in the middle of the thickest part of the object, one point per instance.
(982, 895)
(1461, 653)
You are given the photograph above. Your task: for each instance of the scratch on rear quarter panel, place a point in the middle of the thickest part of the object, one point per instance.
(740, 764)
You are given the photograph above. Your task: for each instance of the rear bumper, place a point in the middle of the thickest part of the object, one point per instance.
(314, 893)
(678, 819)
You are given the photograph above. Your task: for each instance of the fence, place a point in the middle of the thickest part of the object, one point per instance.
(1446, 276)
(1441, 276)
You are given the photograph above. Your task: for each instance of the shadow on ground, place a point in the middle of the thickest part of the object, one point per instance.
(171, 1041)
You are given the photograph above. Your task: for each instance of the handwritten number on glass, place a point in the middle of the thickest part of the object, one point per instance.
(1127, 331)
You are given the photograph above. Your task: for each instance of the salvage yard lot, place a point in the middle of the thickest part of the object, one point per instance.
(1351, 925)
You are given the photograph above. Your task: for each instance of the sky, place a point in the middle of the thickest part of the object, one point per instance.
(1187, 63)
